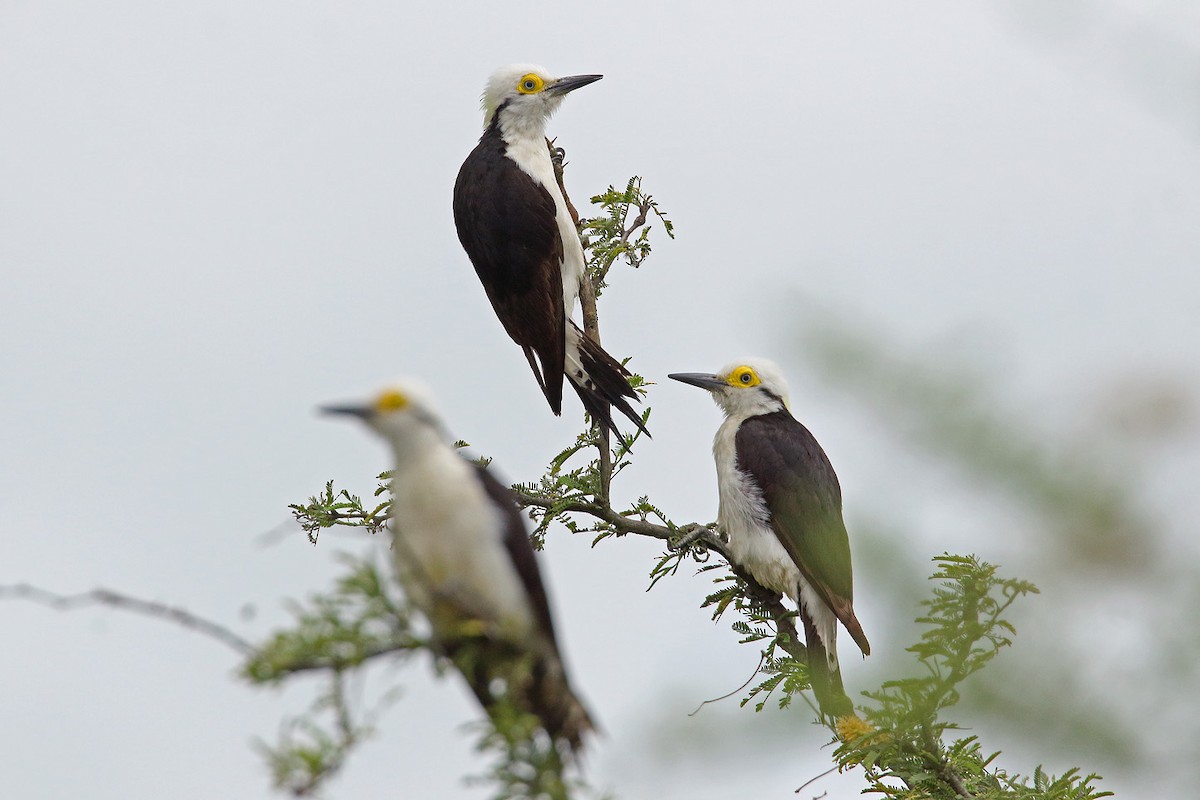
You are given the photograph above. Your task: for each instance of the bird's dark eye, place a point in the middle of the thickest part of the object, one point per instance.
(530, 83)
(744, 377)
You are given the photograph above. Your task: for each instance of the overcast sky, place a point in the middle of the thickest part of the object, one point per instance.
(215, 216)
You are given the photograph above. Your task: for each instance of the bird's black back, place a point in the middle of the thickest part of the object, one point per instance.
(507, 224)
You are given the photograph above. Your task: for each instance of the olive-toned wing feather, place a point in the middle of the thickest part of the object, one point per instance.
(804, 498)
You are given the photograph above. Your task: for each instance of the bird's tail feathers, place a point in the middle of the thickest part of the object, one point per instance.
(845, 613)
(599, 380)
(824, 673)
(551, 388)
(503, 676)
(562, 713)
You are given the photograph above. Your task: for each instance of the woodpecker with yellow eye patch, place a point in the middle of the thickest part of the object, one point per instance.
(781, 512)
(516, 226)
(463, 556)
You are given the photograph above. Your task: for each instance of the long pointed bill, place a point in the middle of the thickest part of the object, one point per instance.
(702, 379)
(362, 412)
(571, 83)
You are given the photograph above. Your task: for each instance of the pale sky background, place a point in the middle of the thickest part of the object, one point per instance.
(215, 216)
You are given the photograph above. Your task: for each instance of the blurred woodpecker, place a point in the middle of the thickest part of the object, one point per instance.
(516, 226)
(781, 511)
(465, 560)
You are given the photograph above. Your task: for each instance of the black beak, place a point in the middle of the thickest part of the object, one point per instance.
(570, 84)
(362, 412)
(702, 379)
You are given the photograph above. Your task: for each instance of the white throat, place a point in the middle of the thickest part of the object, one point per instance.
(417, 444)
(526, 124)
(739, 404)
(525, 135)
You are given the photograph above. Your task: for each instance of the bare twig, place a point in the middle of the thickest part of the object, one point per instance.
(107, 597)
(814, 779)
(761, 659)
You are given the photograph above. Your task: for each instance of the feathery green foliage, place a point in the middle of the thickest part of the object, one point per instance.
(902, 742)
(361, 618)
(329, 508)
(334, 635)
(612, 235)
(525, 764)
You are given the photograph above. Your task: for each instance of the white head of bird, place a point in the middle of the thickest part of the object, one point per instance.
(402, 413)
(525, 95)
(744, 388)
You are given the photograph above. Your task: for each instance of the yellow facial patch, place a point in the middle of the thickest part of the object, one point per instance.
(391, 400)
(743, 378)
(530, 83)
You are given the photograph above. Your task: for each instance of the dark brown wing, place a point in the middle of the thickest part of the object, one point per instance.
(520, 551)
(802, 493)
(506, 223)
(549, 696)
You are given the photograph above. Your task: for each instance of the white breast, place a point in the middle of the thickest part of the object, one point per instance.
(448, 546)
(532, 156)
(744, 518)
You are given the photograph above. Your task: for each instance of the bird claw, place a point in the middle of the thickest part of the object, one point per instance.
(692, 536)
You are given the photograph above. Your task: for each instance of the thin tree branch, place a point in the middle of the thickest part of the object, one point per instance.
(587, 304)
(591, 317)
(625, 524)
(190, 621)
(149, 608)
(761, 660)
(785, 626)
(626, 234)
(815, 779)
(338, 665)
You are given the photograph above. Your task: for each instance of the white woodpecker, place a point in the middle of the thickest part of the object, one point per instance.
(781, 512)
(518, 230)
(463, 555)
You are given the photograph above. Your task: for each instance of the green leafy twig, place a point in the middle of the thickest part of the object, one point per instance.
(526, 765)
(334, 634)
(330, 508)
(614, 236)
(900, 738)
(308, 753)
(359, 620)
